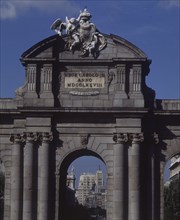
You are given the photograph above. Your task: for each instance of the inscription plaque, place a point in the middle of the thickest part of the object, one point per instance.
(84, 80)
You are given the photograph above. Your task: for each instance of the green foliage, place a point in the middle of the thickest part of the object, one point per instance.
(172, 200)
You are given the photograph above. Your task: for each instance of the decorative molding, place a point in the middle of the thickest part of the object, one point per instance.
(85, 140)
(89, 93)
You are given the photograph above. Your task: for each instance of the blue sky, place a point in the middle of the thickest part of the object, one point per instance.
(153, 26)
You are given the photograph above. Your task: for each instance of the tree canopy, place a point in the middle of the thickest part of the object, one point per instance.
(172, 200)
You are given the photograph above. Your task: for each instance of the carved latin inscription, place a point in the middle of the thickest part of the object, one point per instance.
(84, 80)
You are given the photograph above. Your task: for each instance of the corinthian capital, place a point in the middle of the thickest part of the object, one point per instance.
(16, 138)
(120, 138)
(137, 138)
(46, 137)
(30, 136)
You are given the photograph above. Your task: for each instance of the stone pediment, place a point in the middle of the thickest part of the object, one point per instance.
(54, 47)
(57, 75)
(81, 67)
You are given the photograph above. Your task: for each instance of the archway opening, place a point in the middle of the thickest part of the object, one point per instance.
(2, 186)
(172, 188)
(83, 188)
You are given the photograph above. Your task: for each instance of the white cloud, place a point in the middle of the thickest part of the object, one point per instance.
(12, 8)
(145, 29)
(168, 4)
(7, 10)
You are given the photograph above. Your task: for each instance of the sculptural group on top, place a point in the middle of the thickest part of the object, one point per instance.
(83, 34)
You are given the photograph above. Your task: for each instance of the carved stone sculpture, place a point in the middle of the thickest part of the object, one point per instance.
(83, 34)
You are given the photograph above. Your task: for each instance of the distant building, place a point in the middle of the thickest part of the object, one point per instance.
(175, 167)
(86, 184)
(71, 179)
(70, 188)
(91, 190)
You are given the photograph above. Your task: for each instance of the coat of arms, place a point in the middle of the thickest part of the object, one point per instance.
(83, 34)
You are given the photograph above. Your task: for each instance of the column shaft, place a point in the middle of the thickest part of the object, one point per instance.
(16, 180)
(44, 179)
(28, 180)
(119, 179)
(134, 179)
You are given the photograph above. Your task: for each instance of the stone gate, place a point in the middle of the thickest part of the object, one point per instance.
(85, 94)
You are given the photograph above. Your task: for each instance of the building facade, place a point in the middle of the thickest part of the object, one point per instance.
(85, 94)
(86, 185)
(175, 167)
(91, 191)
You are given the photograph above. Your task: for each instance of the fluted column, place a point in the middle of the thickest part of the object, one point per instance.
(44, 177)
(119, 177)
(46, 95)
(134, 177)
(31, 74)
(28, 188)
(16, 178)
(135, 85)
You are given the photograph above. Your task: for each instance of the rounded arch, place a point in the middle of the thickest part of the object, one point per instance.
(50, 44)
(74, 154)
(66, 161)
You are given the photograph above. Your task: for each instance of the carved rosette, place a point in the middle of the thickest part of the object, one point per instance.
(120, 138)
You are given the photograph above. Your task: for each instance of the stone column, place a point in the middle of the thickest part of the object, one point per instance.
(119, 177)
(44, 177)
(28, 188)
(57, 196)
(16, 178)
(153, 179)
(134, 177)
